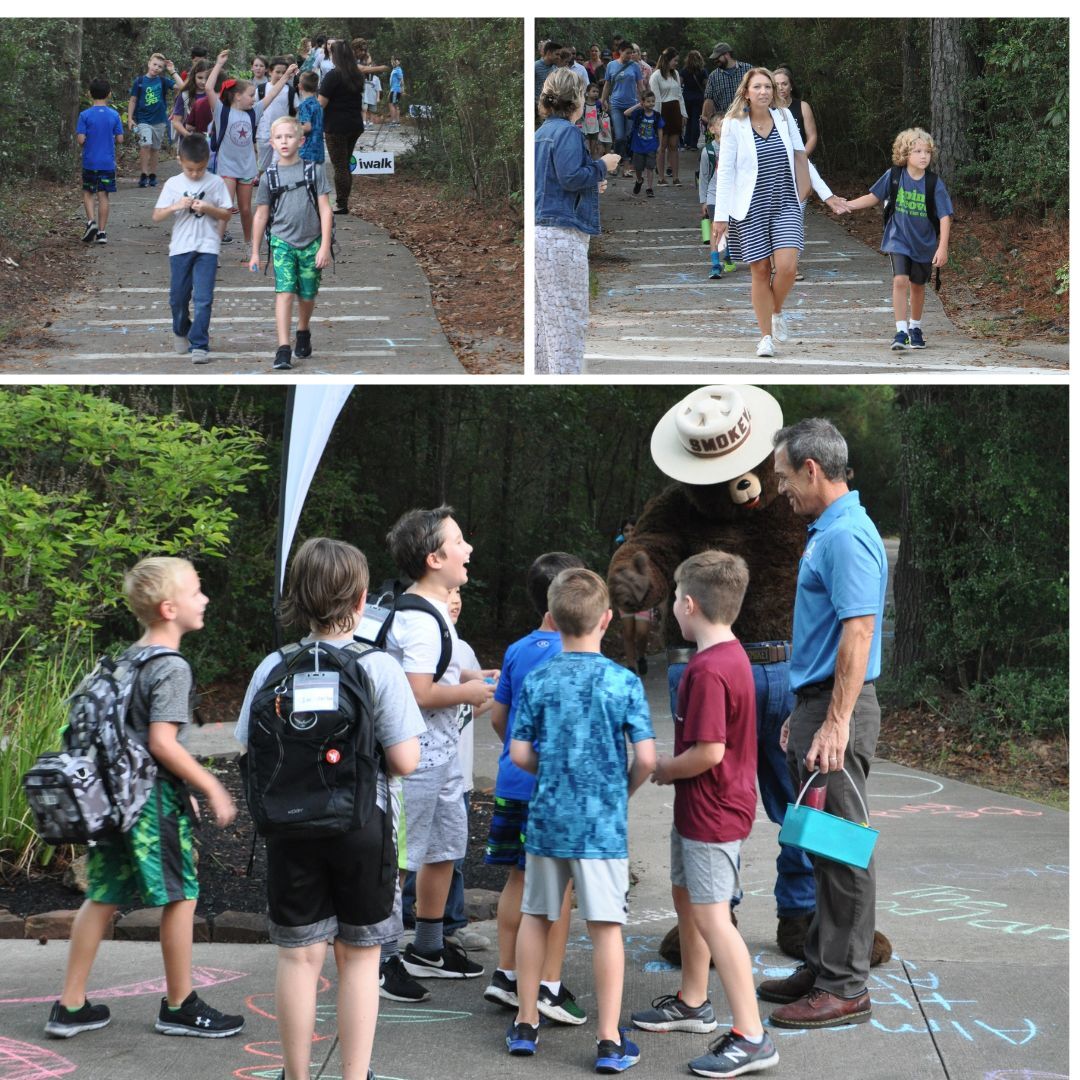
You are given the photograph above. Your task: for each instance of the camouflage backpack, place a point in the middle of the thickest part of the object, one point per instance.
(101, 778)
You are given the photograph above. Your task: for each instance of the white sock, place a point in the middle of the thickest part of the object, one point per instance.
(755, 1039)
(554, 987)
(510, 973)
(914, 323)
(901, 326)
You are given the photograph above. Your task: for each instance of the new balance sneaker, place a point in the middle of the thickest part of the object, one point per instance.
(521, 1039)
(616, 1057)
(303, 344)
(915, 338)
(900, 341)
(195, 1017)
(732, 1055)
(502, 990)
(451, 963)
(779, 327)
(765, 347)
(63, 1023)
(469, 940)
(670, 1013)
(395, 983)
(90, 233)
(561, 1007)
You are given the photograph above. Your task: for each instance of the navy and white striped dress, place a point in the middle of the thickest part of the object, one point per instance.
(775, 218)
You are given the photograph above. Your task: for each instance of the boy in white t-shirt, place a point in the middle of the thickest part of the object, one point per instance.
(197, 201)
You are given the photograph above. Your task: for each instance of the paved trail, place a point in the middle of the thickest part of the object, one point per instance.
(374, 313)
(656, 312)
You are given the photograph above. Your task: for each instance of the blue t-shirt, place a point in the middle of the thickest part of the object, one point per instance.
(842, 575)
(624, 79)
(397, 80)
(310, 112)
(909, 231)
(149, 95)
(578, 710)
(646, 137)
(524, 655)
(100, 124)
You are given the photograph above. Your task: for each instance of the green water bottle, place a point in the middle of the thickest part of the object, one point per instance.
(706, 229)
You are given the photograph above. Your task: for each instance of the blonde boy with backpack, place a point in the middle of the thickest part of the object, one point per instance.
(166, 597)
(340, 887)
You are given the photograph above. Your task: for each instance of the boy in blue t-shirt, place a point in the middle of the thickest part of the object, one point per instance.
(915, 242)
(574, 716)
(99, 132)
(148, 114)
(645, 128)
(310, 115)
(397, 89)
(513, 789)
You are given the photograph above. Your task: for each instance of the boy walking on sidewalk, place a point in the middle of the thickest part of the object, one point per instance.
(99, 133)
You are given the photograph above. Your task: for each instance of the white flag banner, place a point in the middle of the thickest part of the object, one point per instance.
(314, 412)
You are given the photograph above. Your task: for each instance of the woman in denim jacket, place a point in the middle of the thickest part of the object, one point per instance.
(568, 186)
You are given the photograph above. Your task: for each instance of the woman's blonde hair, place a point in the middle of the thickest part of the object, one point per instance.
(562, 94)
(906, 140)
(740, 103)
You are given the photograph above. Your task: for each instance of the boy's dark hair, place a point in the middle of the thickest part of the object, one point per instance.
(577, 600)
(199, 52)
(309, 82)
(195, 148)
(279, 61)
(542, 573)
(326, 580)
(320, 40)
(99, 89)
(416, 535)
(717, 581)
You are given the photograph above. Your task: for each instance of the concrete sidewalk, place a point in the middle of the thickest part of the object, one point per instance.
(972, 889)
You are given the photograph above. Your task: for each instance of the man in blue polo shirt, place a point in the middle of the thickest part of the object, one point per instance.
(835, 656)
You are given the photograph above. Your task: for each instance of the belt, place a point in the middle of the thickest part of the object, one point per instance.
(759, 652)
(816, 689)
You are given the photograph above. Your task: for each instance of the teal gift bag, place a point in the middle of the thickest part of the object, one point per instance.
(829, 836)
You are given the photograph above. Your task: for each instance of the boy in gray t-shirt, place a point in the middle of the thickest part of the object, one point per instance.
(300, 236)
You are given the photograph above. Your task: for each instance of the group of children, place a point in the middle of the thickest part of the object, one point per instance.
(565, 714)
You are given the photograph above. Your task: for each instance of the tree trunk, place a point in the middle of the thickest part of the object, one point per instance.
(951, 68)
(69, 47)
(909, 61)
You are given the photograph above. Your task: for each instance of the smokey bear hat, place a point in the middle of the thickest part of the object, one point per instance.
(716, 433)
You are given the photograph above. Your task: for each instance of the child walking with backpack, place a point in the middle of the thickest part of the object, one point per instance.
(166, 597)
(293, 210)
(338, 883)
(99, 132)
(148, 114)
(710, 154)
(918, 221)
(644, 140)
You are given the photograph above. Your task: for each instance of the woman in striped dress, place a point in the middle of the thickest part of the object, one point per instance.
(757, 203)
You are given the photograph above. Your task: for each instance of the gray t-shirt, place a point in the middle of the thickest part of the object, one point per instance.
(296, 220)
(396, 716)
(164, 693)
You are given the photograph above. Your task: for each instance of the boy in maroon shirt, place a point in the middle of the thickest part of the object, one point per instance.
(714, 771)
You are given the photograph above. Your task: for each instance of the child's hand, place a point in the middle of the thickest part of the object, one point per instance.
(662, 772)
(478, 692)
(184, 204)
(198, 206)
(291, 71)
(602, 186)
(223, 57)
(253, 265)
(941, 257)
(838, 205)
(704, 209)
(611, 162)
(785, 729)
(221, 805)
(322, 257)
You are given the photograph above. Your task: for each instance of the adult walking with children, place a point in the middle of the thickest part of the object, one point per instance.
(758, 198)
(666, 85)
(723, 82)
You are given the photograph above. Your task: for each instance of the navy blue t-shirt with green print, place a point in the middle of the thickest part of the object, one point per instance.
(578, 710)
(909, 231)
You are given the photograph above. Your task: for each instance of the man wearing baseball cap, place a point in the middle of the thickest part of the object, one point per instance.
(723, 82)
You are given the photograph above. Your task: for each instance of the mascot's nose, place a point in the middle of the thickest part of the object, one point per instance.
(745, 490)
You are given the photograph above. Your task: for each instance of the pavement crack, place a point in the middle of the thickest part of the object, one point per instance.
(926, 1020)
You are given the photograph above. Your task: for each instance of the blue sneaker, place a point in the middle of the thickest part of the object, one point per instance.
(152, 180)
(521, 1039)
(143, 180)
(714, 272)
(616, 1057)
(915, 337)
(732, 1055)
(901, 341)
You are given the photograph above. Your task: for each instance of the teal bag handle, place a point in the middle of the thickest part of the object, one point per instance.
(816, 772)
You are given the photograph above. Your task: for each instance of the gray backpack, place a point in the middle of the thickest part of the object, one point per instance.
(99, 781)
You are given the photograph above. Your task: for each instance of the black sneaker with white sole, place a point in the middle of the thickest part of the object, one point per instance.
(283, 358)
(395, 983)
(451, 963)
(195, 1017)
(90, 233)
(502, 990)
(63, 1023)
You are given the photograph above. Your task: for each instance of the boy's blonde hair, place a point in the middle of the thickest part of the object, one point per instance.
(906, 140)
(156, 56)
(717, 581)
(326, 580)
(577, 600)
(150, 582)
(291, 120)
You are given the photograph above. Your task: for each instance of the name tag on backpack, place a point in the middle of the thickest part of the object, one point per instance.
(315, 691)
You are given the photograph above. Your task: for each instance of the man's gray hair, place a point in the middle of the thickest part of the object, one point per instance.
(815, 439)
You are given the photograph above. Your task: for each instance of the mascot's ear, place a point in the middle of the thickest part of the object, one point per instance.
(745, 490)
(641, 563)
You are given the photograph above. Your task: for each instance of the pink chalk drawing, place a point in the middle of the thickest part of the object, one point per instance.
(25, 1061)
(959, 812)
(201, 977)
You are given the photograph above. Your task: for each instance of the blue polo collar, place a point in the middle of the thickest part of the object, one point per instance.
(845, 504)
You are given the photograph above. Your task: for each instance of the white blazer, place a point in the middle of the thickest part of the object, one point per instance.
(736, 167)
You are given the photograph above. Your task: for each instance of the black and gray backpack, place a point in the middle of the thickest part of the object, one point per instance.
(99, 781)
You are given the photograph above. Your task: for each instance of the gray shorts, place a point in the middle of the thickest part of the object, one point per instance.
(641, 162)
(434, 827)
(152, 135)
(602, 887)
(708, 872)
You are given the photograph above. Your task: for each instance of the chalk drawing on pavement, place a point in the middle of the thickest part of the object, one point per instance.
(946, 903)
(201, 977)
(943, 871)
(961, 813)
(25, 1061)
(932, 786)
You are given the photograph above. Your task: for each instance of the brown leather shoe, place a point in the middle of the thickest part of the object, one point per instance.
(821, 1009)
(787, 990)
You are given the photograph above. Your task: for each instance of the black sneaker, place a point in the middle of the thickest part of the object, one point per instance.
(283, 358)
(502, 990)
(90, 233)
(102, 238)
(521, 1039)
(152, 180)
(63, 1023)
(228, 238)
(303, 343)
(451, 963)
(562, 1007)
(143, 180)
(900, 341)
(637, 186)
(649, 193)
(643, 667)
(197, 1018)
(341, 209)
(395, 984)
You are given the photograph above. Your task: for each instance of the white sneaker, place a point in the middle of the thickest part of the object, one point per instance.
(765, 347)
(779, 327)
(180, 345)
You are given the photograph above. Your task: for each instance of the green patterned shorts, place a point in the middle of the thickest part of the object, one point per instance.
(294, 268)
(154, 862)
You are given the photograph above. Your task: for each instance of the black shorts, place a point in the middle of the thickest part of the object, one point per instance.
(334, 887)
(905, 266)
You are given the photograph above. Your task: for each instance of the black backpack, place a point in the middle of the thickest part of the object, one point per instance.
(379, 613)
(276, 189)
(312, 771)
(888, 207)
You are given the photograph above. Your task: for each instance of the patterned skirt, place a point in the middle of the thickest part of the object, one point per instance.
(562, 299)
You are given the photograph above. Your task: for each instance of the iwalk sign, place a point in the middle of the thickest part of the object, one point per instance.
(371, 164)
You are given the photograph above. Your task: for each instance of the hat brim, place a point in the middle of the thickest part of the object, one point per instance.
(674, 460)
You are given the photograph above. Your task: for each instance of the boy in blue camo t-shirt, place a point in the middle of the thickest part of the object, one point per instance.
(572, 723)
(911, 238)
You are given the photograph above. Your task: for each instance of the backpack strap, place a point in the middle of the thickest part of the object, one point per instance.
(891, 193)
(412, 602)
